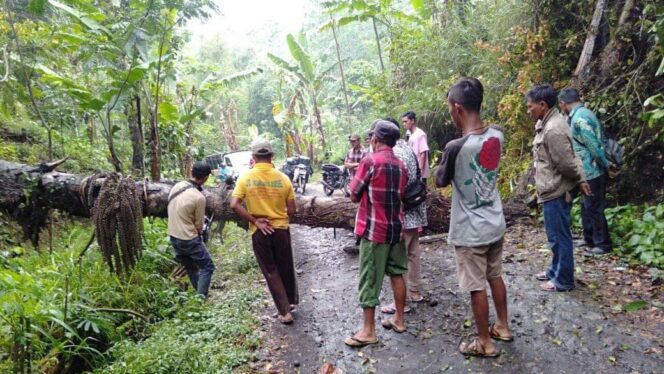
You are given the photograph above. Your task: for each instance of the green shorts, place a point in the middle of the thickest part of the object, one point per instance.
(376, 260)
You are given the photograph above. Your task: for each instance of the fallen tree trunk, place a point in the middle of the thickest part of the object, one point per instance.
(28, 192)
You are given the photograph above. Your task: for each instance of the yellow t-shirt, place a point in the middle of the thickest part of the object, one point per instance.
(265, 192)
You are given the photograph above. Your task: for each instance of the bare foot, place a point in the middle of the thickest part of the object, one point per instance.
(415, 296)
(286, 319)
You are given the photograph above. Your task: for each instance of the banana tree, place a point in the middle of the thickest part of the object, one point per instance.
(309, 80)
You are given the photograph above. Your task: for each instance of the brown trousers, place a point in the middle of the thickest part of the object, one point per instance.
(275, 259)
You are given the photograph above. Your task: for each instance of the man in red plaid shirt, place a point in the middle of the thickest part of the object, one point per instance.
(379, 186)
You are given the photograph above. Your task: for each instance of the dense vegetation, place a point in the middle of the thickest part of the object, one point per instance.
(117, 85)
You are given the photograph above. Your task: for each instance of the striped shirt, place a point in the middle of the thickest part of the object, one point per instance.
(380, 185)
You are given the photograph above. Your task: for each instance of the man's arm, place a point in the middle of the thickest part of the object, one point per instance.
(360, 180)
(199, 215)
(290, 208)
(444, 173)
(562, 155)
(421, 160)
(262, 224)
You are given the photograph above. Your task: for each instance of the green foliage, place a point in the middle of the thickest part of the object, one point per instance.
(637, 232)
(64, 310)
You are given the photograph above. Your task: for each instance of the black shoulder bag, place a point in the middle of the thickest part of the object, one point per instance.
(416, 193)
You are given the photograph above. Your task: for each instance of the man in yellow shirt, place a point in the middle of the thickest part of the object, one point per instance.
(270, 200)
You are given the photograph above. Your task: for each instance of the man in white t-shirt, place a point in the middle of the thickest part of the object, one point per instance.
(417, 140)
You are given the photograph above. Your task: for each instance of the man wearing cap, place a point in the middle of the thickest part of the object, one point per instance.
(588, 143)
(186, 216)
(379, 186)
(270, 200)
(355, 154)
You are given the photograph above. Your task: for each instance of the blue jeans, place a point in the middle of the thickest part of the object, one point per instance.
(559, 234)
(193, 255)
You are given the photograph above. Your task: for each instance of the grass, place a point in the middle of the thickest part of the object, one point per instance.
(61, 315)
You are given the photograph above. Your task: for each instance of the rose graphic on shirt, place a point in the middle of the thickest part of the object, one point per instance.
(485, 178)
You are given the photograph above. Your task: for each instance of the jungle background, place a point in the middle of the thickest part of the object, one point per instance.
(146, 87)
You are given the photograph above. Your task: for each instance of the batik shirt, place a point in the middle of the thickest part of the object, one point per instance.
(380, 183)
(470, 165)
(588, 136)
(417, 216)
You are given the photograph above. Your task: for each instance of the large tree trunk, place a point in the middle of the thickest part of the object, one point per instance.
(43, 189)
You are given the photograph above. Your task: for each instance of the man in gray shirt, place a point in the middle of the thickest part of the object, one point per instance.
(477, 225)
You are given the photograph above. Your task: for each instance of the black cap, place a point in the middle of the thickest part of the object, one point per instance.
(385, 131)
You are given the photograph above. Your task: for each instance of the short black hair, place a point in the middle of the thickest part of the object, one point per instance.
(569, 95)
(394, 121)
(467, 92)
(543, 92)
(200, 170)
(262, 158)
(410, 115)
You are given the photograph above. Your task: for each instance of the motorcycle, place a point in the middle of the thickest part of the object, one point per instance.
(298, 169)
(335, 178)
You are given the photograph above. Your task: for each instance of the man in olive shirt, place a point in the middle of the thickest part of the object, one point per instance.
(186, 217)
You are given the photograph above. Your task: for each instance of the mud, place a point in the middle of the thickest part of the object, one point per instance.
(554, 333)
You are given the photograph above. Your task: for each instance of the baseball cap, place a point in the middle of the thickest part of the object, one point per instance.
(261, 147)
(384, 130)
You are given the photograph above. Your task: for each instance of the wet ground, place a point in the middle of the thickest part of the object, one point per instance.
(586, 330)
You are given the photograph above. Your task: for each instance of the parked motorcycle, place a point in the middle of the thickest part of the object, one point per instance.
(298, 168)
(335, 178)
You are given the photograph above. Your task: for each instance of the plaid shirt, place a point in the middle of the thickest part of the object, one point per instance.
(380, 183)
(355, 155)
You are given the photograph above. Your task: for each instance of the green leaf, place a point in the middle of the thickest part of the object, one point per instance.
(635, 305)
(37, 7)
(303, 58)
(168, 111)
(83, 18)
(419, 7)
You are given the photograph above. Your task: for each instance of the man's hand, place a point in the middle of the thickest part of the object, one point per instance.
(264, 225)
(585, 189)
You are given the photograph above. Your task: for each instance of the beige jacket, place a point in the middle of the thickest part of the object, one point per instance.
(557, 168)
(186, 213)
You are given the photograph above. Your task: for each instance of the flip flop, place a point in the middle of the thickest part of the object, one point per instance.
(475, 349)
(357, 343)
(421, 299)
(496, 335)
(389, 324)
(391, 309)
(550, 287)
(285, 321)
(542, 277)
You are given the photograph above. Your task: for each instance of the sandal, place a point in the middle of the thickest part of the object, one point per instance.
(286, 320)
(542, 277)
(390, 325)
(496, 335)
(357, 343)
(391, 309)
(550, 287)
(474, 348)
(421, 299)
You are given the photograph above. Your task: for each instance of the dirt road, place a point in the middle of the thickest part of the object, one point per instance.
(581, 331)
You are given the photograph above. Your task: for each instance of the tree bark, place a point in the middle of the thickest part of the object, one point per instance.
(341, 67)
(610, 57)
(581, 72)
(54, 190)
(380, 52)
(136, 130)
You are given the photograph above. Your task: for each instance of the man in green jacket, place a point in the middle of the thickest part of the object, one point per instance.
(588, 141)
(557, 172)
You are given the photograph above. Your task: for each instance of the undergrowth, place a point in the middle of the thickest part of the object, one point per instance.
(637, 231)
(61, 316)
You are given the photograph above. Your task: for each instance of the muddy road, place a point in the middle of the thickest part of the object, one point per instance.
(581, 331)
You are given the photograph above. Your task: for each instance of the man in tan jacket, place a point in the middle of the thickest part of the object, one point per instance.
(557, 171)
(186, 217)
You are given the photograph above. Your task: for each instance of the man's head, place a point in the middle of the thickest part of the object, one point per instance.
(383, 132)
(539, 100)
(200, 172)
(355, 141)
(261, 150)
(408, 119)
(464, 100)
(568, 98)
(395, 122)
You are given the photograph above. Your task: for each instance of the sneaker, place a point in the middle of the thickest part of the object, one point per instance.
(580, 243)
(595, 251)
